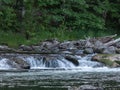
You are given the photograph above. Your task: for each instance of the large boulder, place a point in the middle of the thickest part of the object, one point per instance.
(111, 60)
(72, 59)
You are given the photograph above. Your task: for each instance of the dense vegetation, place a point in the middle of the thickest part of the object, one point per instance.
(29, 21)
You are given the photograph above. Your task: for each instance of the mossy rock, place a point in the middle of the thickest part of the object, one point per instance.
(110, 60)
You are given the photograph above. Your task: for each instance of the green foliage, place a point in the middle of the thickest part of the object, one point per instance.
(56, 18)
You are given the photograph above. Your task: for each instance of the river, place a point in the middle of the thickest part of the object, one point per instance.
(61, 78)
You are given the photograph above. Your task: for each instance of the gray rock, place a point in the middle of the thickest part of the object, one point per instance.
(89, 44)
(88, 51)
(109, 50)
(99, 47)
(37, 48)
(78, 52)
(72, 59)
(118, 45)
(49, 43)
(118, 51)
(4, 48)
(66, 45)
(25, 48)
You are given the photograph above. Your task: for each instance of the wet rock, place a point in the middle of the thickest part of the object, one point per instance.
(88, 51)
(25, 48)
(111, 60)
(72, 59)
(19, 62)
(89, 87)
(78, 52)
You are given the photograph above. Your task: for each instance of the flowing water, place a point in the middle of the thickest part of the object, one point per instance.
(58, 74)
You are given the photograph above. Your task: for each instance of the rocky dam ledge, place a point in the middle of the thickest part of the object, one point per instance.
(106, 50)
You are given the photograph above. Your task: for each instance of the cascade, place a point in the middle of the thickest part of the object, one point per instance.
(39, 62)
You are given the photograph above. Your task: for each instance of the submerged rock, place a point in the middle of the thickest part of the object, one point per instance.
(111, 60)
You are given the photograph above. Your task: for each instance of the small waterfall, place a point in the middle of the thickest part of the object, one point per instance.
(86, 62)
(4, 64)
(39, 62)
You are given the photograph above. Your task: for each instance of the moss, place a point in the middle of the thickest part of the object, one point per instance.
(107, 62)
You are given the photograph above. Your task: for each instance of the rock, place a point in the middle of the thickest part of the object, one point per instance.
(36, 48)
(111, 60)
(89, 44)
(25, 48)
(4, 48)
(88, 51)
(80, 44)
(117, 45)
(55, 49)
(99, 47)
(78, 52)
(68, 45)
(109, 50)
(66, 52)
(72, 59)
(118, 51)
(89, 87)
(22, 64)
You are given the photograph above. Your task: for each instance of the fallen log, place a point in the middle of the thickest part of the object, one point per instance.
(106, 38)
(112, 42)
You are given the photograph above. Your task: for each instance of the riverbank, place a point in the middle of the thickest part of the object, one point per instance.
(101, 45)
(52, 52)
(15, 39)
